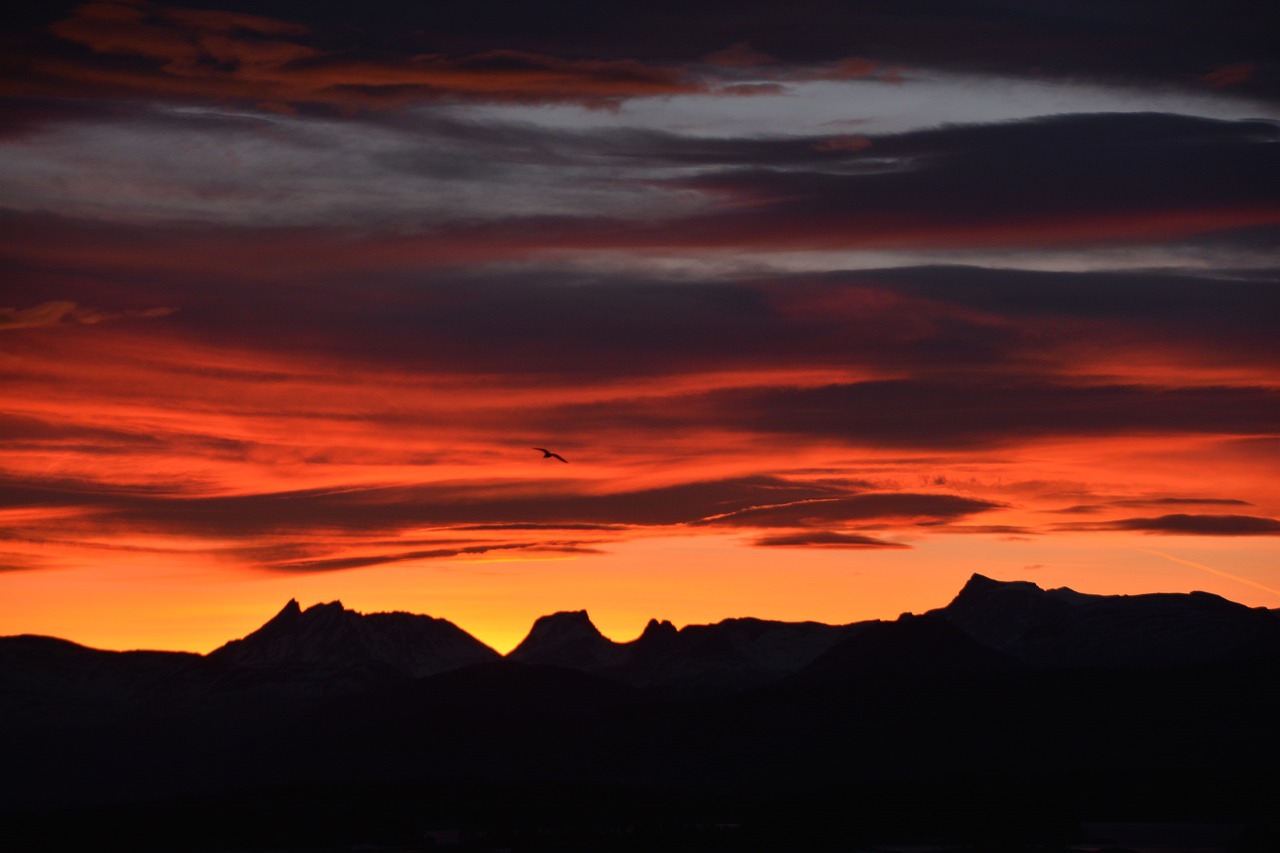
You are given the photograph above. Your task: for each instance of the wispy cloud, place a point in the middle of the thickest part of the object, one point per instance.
(61, 313)
(824, 539)
(1211, 570)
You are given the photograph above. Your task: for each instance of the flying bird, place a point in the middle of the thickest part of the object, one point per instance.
(547, 454)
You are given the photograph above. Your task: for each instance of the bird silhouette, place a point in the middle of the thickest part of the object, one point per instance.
(547, 454)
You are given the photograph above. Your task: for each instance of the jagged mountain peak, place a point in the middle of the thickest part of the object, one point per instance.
(979, 584)
(325, 607)
(288, 615)
(658, 629)
(328, 634)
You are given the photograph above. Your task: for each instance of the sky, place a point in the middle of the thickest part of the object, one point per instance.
(827, 306)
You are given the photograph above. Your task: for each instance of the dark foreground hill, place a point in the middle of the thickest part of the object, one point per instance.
(1014, 716)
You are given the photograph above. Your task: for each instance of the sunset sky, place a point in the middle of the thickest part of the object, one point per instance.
(827, 305)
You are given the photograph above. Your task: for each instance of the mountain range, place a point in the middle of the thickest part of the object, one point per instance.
(1010, 688)
(990, 626)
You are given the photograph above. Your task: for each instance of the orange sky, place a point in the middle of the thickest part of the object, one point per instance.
(283, 317)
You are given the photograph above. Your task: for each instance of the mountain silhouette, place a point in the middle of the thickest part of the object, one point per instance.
(568, 639)
(330, 635)
(989, 626)
(699, 659)
(1064, 628)
(1012, 706)
(734, 654)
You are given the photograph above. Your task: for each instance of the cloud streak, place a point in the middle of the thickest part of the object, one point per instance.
(59, 313)
(347, 528)
(1201, 525)
(825, 539)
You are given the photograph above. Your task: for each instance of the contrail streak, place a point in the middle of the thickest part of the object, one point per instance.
(721, 515)
(1212, 570)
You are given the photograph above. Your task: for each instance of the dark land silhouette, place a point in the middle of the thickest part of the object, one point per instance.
(1013, 718)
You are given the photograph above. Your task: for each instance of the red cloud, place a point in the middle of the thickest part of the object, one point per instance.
(62, 312)
(843, 143)
(214, 54)
(1230, 75)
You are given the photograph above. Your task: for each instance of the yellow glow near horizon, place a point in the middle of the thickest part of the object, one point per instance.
(687, 580)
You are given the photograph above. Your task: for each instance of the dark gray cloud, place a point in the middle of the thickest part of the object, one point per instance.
(1198, 525)
(371, 509)
(1007, 530)
(1179, 501)
(982, 350)
(558, 322)
(1160, 297)
(825, 539)
(1105, 506)
(310, 522)
(964, 414)
(1081, 176)
(1074, 179)
(332, 564)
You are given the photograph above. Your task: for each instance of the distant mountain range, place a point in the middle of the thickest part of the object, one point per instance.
(1007, 682)
(991, 626)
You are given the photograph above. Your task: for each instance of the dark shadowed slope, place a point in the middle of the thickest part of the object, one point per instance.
(912, 645)
(47, 679)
